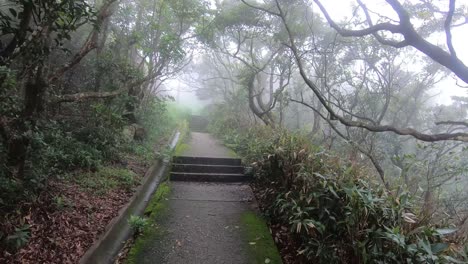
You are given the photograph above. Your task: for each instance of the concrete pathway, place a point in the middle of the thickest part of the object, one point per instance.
(205, 222)
(202, 225)
(204, 145)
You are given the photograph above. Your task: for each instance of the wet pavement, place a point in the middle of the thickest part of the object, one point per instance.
(202, 224)
(204, 145)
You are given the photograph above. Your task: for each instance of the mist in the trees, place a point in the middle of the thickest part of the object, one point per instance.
(380, 87)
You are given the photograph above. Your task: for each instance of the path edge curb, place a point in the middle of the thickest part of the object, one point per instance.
(109, 244)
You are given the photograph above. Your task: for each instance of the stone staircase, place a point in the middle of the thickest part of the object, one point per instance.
(205, 169)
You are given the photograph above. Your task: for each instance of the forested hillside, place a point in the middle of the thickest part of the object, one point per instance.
(82, 114)
(356, 157)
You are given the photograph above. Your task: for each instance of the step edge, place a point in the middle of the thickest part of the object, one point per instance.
(208, 174)
(207, 165)
(199, 157)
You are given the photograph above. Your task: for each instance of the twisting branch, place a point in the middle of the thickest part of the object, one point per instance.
(447, 25)
(84, 96)
(410, 35)
(91, 42)
(399, 44)
(260, 8)
(351, 123)
(449, 122)
(368, 154)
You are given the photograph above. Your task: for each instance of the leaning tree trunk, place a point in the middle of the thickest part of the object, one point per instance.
(34, 91)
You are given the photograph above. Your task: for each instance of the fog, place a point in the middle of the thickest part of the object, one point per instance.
(346, 120)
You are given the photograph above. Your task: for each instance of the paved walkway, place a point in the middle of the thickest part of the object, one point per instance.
(202, 225)
(204, 222)
(204, 145)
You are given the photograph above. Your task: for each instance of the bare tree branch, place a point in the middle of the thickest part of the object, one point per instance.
(368, 154)
(351, 123)
(447, 25)
(410, 35)
(84, 96)
(448, 122)
(90, 44)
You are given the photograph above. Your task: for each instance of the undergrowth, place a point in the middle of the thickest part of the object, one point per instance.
(108, 178)
(333, 208)
(92, 152)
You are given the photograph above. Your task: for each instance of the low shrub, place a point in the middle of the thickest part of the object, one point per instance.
(137, 223)
(336, 212)
(19, 238)
(106, 179)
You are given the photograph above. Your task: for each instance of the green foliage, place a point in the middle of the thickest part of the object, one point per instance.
(182, 145)
(106, 179)
(159, 118)
(63, 17)
(105, 133)
(144, 151)
(61, 202)
(9, 99)
(9, 109)
(178, 113)
(137, 223)
(19, 238)
(56, 150)
(116, 71)
(181, 148)
(238, 15)
(333, 209)
(57, 147)
(155, 205)
(155, 118)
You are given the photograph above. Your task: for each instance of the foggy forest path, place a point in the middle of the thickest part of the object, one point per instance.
(211, 213)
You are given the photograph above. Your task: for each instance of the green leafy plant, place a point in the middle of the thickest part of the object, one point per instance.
(19, 238)
(137, 223)
(107, 178)
(61, 202)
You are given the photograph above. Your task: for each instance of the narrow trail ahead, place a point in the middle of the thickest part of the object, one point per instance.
(207, 208)
(205, 145)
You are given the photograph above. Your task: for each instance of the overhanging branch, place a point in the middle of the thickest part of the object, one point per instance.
(79, 97)
(410, 35)
(350, 123)
(449, 122)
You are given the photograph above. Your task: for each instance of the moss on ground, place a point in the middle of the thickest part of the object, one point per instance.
(261, 246)
(182, 145)
(155, 211)
(232, 154)
(181, 148)
(157, 201)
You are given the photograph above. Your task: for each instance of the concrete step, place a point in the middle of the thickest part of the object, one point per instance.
(209, 177)
(206, 161)
(202, 168)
